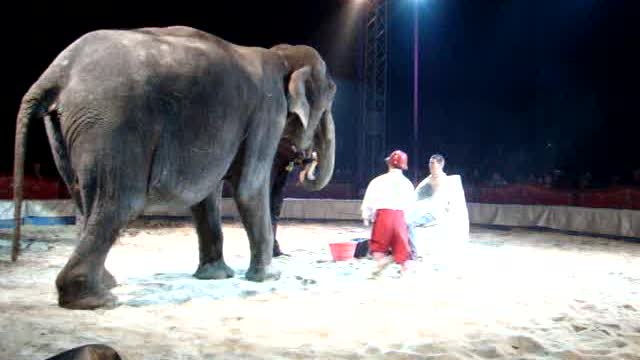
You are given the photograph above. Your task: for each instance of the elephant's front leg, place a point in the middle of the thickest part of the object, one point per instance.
(206, 215)
(253, 206)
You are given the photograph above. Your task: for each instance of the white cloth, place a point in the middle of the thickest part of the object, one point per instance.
(447, 204)
(432, 197)
(434, 182)
(388, 191)
(458, 212)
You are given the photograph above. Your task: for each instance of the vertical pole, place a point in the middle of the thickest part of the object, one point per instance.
(415, 93)
(362, 135)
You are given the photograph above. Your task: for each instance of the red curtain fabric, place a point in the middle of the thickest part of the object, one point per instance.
(614, 198)
(39, 189)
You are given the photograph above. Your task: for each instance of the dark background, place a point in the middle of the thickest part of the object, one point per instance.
(518, 87)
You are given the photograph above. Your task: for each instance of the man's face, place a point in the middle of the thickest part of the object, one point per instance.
(435, 167)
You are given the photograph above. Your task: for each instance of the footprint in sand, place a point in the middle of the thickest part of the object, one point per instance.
(560, 318)
(430, 349)
(567, 355)
(396, 354)
(595, 352)
(629, 307)
(627, 356)
(615, 327)
(579, 328)
(486, 351)
(248, 293)
(613, 344)
(371, 350)
(306, 281)
(522, 345)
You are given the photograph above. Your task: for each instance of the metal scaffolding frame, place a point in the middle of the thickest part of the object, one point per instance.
(372, 141)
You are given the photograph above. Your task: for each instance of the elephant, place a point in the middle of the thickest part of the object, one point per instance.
(147, 116)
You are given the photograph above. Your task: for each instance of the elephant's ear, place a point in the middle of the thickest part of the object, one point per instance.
(298, 103)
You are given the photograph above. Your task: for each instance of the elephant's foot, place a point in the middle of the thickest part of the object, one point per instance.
(103, 299)
(85, 291)
(260, 274)
(216, 270)
(276, 250)
(108, 281)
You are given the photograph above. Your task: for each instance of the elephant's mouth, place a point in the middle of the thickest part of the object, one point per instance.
(308, 159)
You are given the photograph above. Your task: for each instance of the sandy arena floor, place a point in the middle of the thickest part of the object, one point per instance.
(516, 294)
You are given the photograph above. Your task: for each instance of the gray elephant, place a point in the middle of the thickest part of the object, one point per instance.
(165, 115)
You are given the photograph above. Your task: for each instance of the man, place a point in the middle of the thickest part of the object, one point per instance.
(431, 200)
(287, 157)
(385, 201)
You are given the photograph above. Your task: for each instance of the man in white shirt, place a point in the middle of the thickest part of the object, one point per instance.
(385, 201)
(432, 201)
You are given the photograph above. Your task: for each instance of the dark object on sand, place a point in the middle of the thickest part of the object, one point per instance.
(88, 352)
(362, 249)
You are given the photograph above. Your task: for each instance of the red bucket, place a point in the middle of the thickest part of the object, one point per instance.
(343, 250)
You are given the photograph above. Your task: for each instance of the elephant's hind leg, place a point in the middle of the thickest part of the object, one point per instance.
(206, 215)
(84, 282)
(112, 194)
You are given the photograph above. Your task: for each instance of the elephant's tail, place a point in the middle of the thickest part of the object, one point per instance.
(34, 105)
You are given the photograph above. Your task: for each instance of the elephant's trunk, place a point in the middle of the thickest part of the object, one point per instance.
(325, 146)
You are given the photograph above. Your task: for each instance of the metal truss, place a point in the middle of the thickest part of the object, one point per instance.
(372, 139)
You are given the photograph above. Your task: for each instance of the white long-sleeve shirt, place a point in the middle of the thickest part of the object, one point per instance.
(388, 191)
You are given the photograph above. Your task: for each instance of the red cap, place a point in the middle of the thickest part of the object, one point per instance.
(398, 159)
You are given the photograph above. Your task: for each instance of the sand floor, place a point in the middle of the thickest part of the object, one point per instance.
(506, 294)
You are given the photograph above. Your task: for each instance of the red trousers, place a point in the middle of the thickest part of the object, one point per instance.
(390, 232)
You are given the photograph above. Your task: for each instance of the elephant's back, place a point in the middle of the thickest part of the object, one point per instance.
(145, 53)
(147, 58)
(159, 71)
(173, 61)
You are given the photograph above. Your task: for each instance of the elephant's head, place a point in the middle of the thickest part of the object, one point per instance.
(310, 93)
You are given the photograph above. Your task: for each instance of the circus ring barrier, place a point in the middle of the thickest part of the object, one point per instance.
(612, 212)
